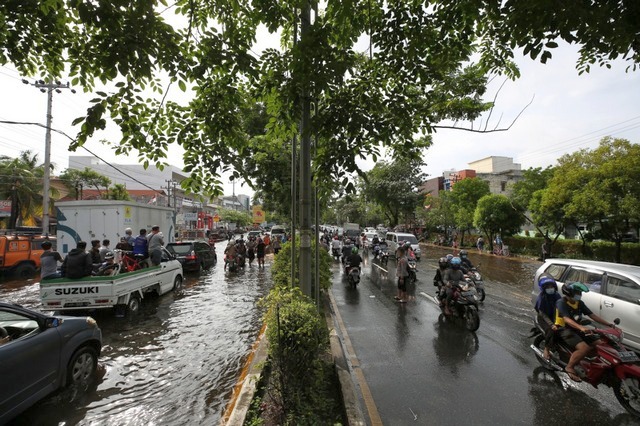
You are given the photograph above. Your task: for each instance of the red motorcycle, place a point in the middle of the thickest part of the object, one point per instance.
(611, 364)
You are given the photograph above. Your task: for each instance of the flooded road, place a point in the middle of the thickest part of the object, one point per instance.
(175, 362)
(418, 367)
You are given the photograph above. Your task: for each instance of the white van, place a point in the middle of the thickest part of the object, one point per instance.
(278, 231)
(394, 238)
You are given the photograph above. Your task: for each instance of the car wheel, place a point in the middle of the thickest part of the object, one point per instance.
(26, 270)
(134, 304)
(82, 365)
(177, 284)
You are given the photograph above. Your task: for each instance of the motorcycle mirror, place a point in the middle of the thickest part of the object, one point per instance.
(616, 321)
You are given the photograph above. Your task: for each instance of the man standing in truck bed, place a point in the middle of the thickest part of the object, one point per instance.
(49, 262)
(156, 242)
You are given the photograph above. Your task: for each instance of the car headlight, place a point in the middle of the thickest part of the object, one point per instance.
(91, 322)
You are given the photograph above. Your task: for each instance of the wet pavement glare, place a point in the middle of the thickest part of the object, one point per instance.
(175, 362)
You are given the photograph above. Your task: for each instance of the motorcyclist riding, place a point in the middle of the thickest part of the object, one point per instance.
(466, 263)
(354, 260)
(452, 278)
(346, 249)
(546, 309)
(438, 280)
(568, 315)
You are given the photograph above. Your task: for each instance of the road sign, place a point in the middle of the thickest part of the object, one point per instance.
(216, 218)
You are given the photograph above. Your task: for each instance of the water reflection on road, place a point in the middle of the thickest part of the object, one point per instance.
(175, 362)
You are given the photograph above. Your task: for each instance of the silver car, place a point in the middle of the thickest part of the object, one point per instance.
(614, 290)
(40, 353)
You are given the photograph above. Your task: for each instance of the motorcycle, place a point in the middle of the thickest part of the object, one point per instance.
(612, 364)
(353, 275)
(240, 260)
(412, 266)
(474, 275)
(463, 305)
(231, 263)
(336, 252)
(380, 253)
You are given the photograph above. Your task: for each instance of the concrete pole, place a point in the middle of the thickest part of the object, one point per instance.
(47, 165)
(305, 173)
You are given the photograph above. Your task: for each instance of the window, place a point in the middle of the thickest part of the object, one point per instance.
(588, 278)
(503, 186)
(623, 289)
(556, 271)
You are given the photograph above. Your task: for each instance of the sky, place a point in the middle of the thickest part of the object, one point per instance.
(568, 112)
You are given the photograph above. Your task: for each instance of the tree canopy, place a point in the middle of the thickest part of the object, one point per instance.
(417, 72)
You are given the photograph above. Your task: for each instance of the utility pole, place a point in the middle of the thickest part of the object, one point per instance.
(169, 188)
(48, 87)
(305, 164)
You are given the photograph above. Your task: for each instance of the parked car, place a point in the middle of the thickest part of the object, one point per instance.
(614, 290)
(42, 353)
(395, 238)
(194, 255)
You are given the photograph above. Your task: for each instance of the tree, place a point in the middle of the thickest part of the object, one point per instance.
(21, 182)
(118, 192)
(393, 186)
(240, 218)
(495, 215)
(601, 186)
(531, 195)
(75, 180)
(464, 197)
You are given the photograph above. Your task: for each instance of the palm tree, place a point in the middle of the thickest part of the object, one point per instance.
(21, 181)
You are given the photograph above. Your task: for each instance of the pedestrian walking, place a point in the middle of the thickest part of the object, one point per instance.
(402, 272)
(480, 244)
(260, 249)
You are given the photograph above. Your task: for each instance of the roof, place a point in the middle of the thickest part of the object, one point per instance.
(621, 268)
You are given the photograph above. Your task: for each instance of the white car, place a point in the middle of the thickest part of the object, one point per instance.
(614, 290)
(394, 239)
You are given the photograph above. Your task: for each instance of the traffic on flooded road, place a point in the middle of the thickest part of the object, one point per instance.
(175, 361)
(419, 367)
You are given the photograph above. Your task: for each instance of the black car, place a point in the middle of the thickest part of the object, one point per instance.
(194, 255)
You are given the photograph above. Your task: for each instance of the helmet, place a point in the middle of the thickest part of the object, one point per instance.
(570, 290)
(442, 262)
(406, 245)
(463, 253)
(354, 250)
(455, 262)
(108, 255)
(449, 257)
(546, 279)
(347, 241)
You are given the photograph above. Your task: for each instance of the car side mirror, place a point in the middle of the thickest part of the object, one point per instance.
(52, 323)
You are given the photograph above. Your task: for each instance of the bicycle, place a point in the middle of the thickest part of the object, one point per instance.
(132, 262)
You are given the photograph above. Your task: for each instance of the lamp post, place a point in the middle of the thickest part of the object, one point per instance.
(47, 87)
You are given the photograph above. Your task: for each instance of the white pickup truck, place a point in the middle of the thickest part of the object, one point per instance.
(123, 290)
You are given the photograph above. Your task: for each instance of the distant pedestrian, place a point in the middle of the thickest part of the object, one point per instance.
(260, 249)
(402, 272)
(545, 249)
(276, 245)
(480, 244)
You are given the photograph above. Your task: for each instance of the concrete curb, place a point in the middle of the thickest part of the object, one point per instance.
(245, 389)
(352, 406)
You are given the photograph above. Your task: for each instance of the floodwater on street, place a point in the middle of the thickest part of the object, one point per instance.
(175, 362)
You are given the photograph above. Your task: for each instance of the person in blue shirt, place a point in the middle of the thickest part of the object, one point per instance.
(546, 309)
(141, 245)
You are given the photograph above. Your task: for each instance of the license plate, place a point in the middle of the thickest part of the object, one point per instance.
(628, 356)
(467, 293)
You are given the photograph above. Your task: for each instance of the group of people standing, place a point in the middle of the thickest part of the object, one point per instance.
(100, 259)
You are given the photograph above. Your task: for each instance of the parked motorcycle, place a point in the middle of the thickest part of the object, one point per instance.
(464, 305)
(474, 275)
(612, 365)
